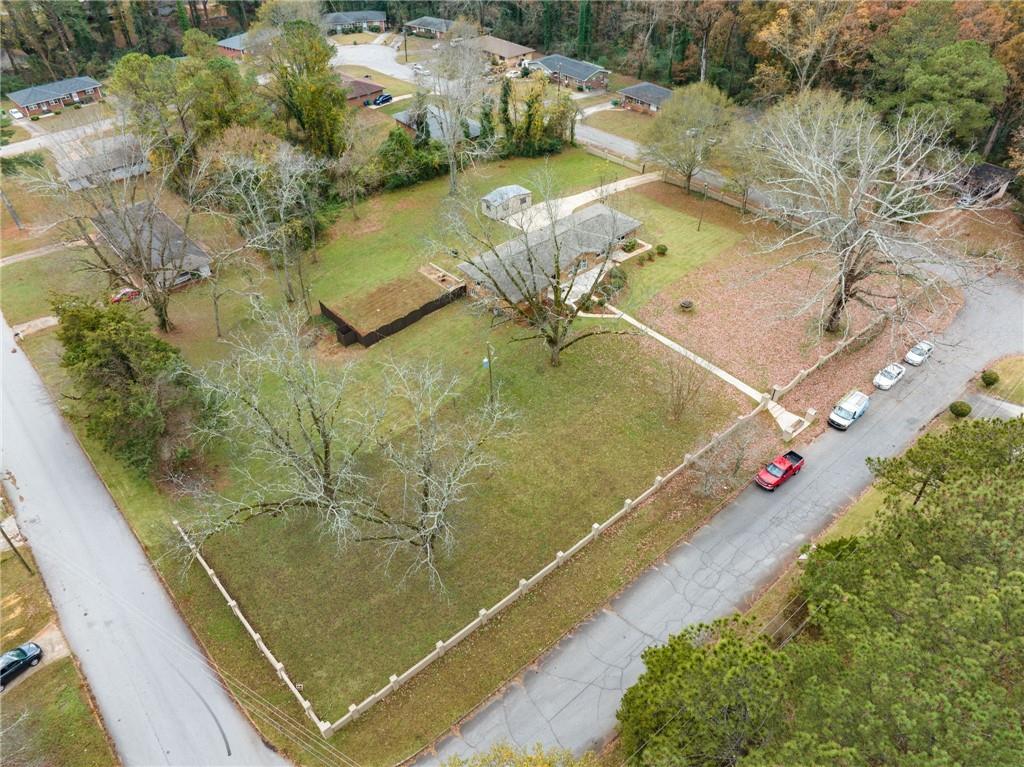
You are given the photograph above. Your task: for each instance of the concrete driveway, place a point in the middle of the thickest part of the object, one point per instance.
(162, 702)
(569, 697)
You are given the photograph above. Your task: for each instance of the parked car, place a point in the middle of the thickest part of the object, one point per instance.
(778, 471)
(849, 409)
(922, 350)
(384, 98)
(15, 113)
(125, 294)
(15, 662)
(889, 376)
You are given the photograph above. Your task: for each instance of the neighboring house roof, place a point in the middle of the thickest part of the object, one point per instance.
(986, 178)
(577, 70)
(246, 41)
(432, 23)
(520, 266)
(344, 18)
(358, 88)
(172, 254)
(434, 124)
(648, 93)
(498, 47)
(38, 94)
(503, 193)
(106, 159)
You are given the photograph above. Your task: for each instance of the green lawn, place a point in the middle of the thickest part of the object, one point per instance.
(354, 38)
(382, 245)
(74, 118)
(663, 223)
(1011, 380)
(621, 122)
(25, 606)
(26, 287)
(37, 216)
(391, 85)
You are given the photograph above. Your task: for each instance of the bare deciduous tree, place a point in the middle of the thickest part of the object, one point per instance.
(866, 203)
(273, 199)
(544, 277)
(391, 474)
(458, 81)
(687, 385)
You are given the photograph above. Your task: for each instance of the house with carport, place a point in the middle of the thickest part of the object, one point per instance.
(644, 97)
(581, 75)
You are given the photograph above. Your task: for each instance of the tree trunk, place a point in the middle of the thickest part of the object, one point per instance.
(993, 135)
(689, 178)
(704, 55)
(837, 309)
(159, 304)
(215, 295)
(556, 354)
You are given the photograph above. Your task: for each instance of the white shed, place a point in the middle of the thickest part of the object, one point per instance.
(506, 200)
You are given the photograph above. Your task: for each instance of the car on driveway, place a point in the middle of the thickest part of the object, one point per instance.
(15, 662)
(125, 294)
(15, 113)
(849, 409)
(889, 376)
(384, 98)
(922, 350)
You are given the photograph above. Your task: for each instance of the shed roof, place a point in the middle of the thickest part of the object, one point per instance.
(648, 93)
(434, 124)
(520, 266)
(38, 94)
(986, 178)
(498, 47)
(503, 193)
(432, 23)
(171, 252)
(577, 70)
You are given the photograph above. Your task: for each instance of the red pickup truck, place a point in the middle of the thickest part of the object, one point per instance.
(779, 470)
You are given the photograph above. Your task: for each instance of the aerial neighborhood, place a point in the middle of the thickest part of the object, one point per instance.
(592, 383)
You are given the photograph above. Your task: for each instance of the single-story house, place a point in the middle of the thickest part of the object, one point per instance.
(106, 159)
(360, 90)
(175, 258)
(43, 99)
(507, 53)
(428, 26)
(572, 73)
(349, 21)
(435, 123)
(644, 97)
(506, 200)
(244, 44)
(521, 266)
(986, 181)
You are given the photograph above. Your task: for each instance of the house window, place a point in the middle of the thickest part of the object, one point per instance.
(522, 200)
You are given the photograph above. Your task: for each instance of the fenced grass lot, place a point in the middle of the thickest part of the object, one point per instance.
(591, 433)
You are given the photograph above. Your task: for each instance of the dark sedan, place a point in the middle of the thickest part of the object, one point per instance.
(15, 662)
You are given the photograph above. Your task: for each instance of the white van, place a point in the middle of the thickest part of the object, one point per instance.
(849, 409)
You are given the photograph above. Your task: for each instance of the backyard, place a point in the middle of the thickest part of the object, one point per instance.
(609, 398)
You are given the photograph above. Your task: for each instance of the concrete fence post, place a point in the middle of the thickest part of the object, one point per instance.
(439, 648)
(522, 586)
(393, 682)
(628, 504)
(353, 711)
(559, 556)
(657, 482)
(595, 530)
(483, 616)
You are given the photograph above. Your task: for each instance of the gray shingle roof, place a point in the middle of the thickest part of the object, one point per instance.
(344, 18)
(248, 40)
(577, 70)
(432, 23)
(520, 266)
(434, 125)
(38, 94)
(648, 93)
(171, 253)
(503, 193)
(106, 159)
(495, 46)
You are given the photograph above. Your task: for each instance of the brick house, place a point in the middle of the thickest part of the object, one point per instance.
(354, 21)
(428, 26)
(644, 97)
(44, 99)
(571, 73)
(360, 90)
(505, 52)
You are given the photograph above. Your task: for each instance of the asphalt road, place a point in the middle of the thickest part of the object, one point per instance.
(569, 697)
(161, 701)
(58, 140)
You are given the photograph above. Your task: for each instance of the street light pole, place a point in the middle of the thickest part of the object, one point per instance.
(702, 203)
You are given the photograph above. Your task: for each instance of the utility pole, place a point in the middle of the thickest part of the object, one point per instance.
(15, 550)
(11, 210)
(702, 203)
(490, 373)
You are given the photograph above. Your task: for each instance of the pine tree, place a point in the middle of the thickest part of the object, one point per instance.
(183, 23)
(505, 108)
(583, 30)
(487, 120)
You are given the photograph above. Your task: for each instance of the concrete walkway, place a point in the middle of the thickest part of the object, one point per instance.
(987, 406)
(37, 252)
(34, 326)
(540, 215)
(569, 696)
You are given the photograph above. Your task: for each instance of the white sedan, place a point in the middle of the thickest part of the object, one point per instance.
(922, 350)
(888, 376)
(15, 113)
